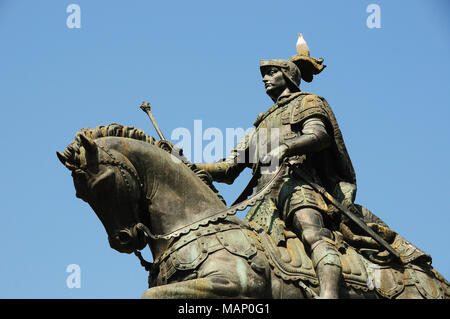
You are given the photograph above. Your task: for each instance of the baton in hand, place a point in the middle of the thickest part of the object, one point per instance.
(145, 106)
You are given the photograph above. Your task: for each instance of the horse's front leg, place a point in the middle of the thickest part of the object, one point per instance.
(201, 288)
(222, 275)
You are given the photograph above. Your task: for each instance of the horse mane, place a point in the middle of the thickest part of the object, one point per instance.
(72, 151)
(117, 130)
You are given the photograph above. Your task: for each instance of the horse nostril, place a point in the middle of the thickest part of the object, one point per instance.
(124, 237)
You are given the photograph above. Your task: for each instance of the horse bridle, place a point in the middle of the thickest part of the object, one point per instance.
(187, 228)
(132, 171)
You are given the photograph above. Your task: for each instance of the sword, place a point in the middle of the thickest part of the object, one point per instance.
(145, 106)
(347, 212)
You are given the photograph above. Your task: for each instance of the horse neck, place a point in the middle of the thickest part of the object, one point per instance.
(176, 196)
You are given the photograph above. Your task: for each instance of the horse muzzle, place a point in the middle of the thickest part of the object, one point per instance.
(127, 240)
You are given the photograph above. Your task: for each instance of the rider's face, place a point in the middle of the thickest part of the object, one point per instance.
(273, 79)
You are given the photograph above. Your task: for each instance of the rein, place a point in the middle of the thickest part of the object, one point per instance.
(221, 214)
(241, 205)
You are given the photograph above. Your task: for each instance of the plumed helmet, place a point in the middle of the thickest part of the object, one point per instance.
(308, 65)
(288, 68)
(299, 66)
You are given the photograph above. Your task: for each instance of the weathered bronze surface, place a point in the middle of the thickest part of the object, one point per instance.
(304, 237)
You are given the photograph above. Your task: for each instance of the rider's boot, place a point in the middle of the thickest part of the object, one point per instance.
(327, 265)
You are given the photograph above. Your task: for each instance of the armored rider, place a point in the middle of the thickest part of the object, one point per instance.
(309, 138)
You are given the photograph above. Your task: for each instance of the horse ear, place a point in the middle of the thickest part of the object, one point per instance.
(88, 144)
(61, 158)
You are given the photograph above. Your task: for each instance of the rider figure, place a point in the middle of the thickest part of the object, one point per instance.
(309, 138)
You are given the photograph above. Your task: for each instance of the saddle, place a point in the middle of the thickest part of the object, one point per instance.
(290, 262)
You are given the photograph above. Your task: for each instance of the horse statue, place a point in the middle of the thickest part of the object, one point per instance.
(144, 195)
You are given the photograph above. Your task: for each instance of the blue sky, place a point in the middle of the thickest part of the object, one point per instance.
(198, 60)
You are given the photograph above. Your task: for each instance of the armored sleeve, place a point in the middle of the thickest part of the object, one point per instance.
(227, 170)
(311, 106)
(315, 128)
(314, 138)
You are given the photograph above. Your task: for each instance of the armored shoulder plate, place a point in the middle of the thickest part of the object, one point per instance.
(308, 106)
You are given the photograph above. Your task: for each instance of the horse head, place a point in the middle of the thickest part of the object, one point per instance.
(135, 188)
(109, 183)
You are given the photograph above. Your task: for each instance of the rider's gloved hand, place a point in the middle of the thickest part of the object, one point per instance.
(276, 156)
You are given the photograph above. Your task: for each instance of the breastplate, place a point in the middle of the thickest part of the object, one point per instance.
(274, 129)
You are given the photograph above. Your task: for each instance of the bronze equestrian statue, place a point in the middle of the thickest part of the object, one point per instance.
(303, 237)
(144, 195)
